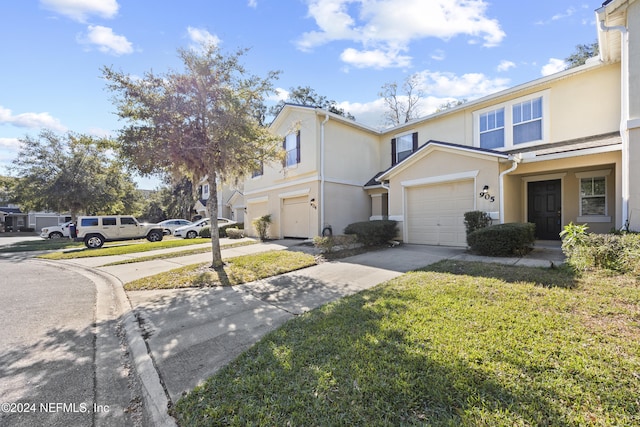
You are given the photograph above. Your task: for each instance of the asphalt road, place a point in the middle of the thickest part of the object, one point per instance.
(60, 365)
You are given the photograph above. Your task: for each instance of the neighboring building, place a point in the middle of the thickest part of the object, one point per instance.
(13, 219)
(560, 149)
(230, 201)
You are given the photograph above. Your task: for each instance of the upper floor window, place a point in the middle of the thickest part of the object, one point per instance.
(492, 129)
(292, 147)
(515, 122)
(258, 172)
(402, 147)
(205, 191)
(527, 121)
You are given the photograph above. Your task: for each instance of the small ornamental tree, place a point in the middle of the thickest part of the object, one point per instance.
(204, 121)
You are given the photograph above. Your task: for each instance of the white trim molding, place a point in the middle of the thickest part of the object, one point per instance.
(441, 179)
(258, 200)
(297, 193)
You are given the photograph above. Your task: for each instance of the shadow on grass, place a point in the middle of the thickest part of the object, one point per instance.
(560, 277)
(344, 364)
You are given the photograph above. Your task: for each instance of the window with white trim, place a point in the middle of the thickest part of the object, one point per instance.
(403, 146)
(292, 147)
(205, 191)
(593, 196)
(492, 129)
(513, 123)
(527, 121)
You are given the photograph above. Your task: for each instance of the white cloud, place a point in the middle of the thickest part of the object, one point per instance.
(80, 10)
(202, 37)
(554, 65)
(440, 87)
(377, 58)
(569, 12)
(470, 85)
(31, 120)
(505, 65)
(106, 40)
(279, 95)
(438, 55)
(253, 3)
(390, 25)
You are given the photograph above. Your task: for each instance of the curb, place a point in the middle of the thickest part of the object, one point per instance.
(111, 297)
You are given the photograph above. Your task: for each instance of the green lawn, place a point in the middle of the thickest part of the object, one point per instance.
(124, 248)
(459, 343)
(241, 269)
(41, 245)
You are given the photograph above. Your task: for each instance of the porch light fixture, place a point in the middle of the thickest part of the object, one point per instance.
(313, 204)
(485, 191)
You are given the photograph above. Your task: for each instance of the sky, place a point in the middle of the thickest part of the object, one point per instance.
(52, 51)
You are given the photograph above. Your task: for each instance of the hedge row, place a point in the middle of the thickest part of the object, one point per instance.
(502, 239)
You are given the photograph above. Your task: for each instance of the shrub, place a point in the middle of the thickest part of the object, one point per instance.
(503, 239)
(616, 252)
(262, 226)
(371, 233)
(234, 233)
(27, 229)
(329, 243)
(475, 220)
(222, 230)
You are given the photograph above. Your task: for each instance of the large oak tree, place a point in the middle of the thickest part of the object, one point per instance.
(71, 172)
(203, 121)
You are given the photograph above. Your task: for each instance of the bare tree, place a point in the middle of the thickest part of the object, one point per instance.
(402, 106)
(202, 122)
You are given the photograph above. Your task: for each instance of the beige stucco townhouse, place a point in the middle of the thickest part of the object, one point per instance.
(563, 148)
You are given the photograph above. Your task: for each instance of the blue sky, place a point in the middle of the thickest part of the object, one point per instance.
(52, 51)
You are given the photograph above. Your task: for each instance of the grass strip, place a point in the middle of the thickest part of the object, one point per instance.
(41, 245)
(179, 254)
(124, 248)
(464, 344)
(241, 269)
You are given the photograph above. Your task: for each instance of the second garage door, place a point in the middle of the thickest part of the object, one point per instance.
(435, 213)
(295, 217)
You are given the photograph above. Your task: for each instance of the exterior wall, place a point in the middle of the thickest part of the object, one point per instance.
(566, 169)
(344, 205)
(633, 23)
(447, 164)
(351, 159)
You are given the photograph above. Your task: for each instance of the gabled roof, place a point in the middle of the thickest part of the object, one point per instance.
(432, 145)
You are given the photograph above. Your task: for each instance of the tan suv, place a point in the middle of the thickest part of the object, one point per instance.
(95, 230)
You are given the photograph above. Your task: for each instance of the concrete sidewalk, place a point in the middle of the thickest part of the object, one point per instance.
(192, 333)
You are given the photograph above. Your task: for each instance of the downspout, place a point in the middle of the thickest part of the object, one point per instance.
(515, 159)
(624, 111)
(322, 224)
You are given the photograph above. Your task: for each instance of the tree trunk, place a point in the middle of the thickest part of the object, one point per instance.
(212, 203)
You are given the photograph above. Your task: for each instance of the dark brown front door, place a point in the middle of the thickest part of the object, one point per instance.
(544, 208)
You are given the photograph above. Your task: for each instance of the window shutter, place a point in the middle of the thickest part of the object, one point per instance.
(284, 147)
(298, 147)
(393, 151)
(415, 142)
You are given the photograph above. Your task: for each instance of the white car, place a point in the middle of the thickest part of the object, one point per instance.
(56, 231)
(193, 230)
(170, 225)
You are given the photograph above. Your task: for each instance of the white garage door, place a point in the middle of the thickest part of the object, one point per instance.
(435, 213)
(295, 217)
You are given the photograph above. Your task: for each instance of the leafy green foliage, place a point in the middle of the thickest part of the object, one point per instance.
(581, 54)
(372, 233)
(614, 252)
(262, 226)
(71, 173)
(475, 220)
(502, 239)
(308, 96)
(234, 232)
(328, 244)
(203, 122)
